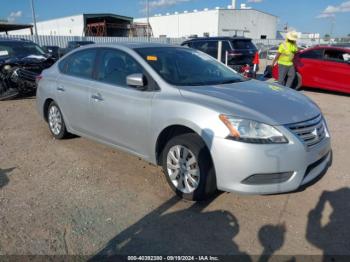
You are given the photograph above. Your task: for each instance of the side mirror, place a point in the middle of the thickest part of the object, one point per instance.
(136, 80)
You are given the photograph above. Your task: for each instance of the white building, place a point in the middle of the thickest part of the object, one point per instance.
(83, 25)
(301, 35)
(218, 22)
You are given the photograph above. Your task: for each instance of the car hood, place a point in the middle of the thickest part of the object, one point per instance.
(256, 100)
(35, 63)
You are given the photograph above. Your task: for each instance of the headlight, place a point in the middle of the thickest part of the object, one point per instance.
(7, 67)
(250, 131)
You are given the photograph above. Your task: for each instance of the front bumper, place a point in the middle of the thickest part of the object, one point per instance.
(235, 162)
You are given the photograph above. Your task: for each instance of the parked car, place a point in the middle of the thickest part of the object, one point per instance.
(325, 67)
(241, 50)
(52, 50)
(272, 52)
(71, 45)
(207, 126)
(21, 61)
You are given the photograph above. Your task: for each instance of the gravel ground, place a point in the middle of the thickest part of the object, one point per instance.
(79, 197)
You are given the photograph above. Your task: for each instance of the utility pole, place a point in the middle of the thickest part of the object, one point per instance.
(332, 28)
(34, 22)
(148, 26)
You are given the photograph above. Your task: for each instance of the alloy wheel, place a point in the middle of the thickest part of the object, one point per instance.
(55, 120)
(183, 169)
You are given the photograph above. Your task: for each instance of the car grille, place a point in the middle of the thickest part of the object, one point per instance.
(311, 132)
(26, 75)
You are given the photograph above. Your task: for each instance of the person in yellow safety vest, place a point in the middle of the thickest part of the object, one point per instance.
(284, 58)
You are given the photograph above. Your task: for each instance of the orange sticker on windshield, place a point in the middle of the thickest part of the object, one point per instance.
(152, 58)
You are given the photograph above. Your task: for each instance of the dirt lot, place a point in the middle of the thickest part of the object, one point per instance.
(79, 197)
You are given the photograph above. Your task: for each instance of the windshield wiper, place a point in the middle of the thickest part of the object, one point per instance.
(230, 81)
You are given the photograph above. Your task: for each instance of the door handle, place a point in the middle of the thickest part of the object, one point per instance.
(61, 88)
(97, 97)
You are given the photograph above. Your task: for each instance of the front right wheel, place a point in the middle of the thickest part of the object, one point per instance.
(188, 167)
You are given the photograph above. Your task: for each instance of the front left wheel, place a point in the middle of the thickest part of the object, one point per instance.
(56, 122)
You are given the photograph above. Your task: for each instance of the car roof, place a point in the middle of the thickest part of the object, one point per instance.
(133, 45)
(80, 41)
(326, 47)
(218, 38)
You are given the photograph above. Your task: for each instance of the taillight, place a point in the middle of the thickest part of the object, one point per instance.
(38, 78)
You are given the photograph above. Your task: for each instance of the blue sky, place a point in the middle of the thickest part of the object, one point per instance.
(303, 15)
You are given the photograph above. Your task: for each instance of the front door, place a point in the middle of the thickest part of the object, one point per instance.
(121, 114)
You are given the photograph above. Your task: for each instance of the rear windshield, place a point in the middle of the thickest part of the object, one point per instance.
(243, 44)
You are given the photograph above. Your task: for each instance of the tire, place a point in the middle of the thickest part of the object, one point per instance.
(188, 167)
(56, 122)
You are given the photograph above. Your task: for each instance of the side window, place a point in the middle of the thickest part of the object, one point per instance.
(198, 45)
(225, 48)
(336, 55)
(209, 47)
(212, 48)
(313, 54)
(114, 67)
(79, 64)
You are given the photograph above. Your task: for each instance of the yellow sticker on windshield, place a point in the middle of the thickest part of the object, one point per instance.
(275, 88)
(152, 58)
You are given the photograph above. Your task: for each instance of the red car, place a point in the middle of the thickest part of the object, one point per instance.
(324, 67)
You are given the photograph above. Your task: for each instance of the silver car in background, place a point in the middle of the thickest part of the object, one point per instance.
(208, 127)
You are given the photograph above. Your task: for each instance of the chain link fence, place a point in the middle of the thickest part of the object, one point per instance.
(267, 47)
(61, 41)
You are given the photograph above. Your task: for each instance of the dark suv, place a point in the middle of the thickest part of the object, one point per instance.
(71, 45)
(241, 50)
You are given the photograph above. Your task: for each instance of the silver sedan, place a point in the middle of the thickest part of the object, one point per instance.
(208, 127)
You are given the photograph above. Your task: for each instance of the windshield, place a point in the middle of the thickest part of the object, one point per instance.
(243, 44)
(188, 67)
(19, 49)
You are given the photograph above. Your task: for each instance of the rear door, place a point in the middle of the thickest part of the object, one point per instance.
(309, 64)
(121, 114)
(73, 88)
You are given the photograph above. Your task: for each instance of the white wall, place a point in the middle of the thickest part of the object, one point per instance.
(184, 24)
(20, 32)
(258, 23)
(213, 22)
(72, 25)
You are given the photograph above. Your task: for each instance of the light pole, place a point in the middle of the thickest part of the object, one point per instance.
(332, 26)
(147, 7)
(34, 22)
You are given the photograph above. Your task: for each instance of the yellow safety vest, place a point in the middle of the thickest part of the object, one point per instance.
(287, 51)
